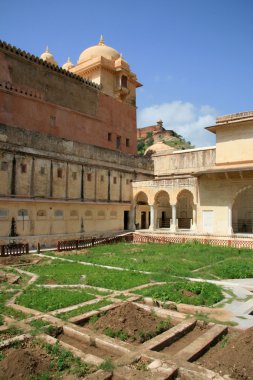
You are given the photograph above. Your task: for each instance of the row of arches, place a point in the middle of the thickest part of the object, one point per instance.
(162, 213)
(180, 212)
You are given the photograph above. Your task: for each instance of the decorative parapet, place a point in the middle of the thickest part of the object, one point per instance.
(184, 162)
(234, 117)
(189, 182)
(30, 57)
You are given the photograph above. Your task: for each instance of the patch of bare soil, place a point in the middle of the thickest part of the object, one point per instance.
(9, 278)
(74, 251)
(131, 323)
(16, 260)
(93, 350)
(187, 293)
(50, 281)
(232, 356)
(23, 362)
(185, 340)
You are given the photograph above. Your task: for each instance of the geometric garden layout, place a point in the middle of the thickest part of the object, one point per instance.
(128, 311)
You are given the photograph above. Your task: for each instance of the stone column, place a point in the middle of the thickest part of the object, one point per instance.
(51, 178)
(67, 182)
(13, 177)
(95, 186)
(173, 225)
(152, 218)
(109, 187)
(132, 218)
(82, 184)
(194, 217)
(32, 179)
(120, 188)
(230, 228)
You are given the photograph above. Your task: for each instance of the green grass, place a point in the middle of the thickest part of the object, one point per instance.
(44, 299)
(188, 292)
(234, 268)
(83, 309)
(38, 323)
(172, 259)
(7, 310)
(70, 273)
(120, 334)
(63, 360)
(12, 330)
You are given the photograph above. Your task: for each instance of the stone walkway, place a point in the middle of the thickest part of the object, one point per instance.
(239, 301)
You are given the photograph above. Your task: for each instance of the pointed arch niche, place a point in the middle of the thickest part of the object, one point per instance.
(163, 210)
(185, 208)
(242, 211)
(142, 211)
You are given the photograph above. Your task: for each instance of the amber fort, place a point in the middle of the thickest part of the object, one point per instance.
(69, 167)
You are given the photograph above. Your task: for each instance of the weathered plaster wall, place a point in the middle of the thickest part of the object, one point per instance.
(218, 195)
(183, 162)
(234, 143)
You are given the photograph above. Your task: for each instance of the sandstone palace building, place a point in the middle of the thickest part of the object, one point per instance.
(68, 161)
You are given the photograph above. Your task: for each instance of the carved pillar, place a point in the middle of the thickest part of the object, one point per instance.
(13, 176)
(51, 180)
(230, 228)
(109, 186)
(132, 218)
(32, 179)
(82, 185)
(152, 217)
(194, 217)
(95, 186)
(67, 182)
(173, 225)
(120, 188)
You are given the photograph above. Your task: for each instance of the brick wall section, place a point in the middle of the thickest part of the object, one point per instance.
(42, 98)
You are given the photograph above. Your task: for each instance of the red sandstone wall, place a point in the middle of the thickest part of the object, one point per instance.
(35, 97)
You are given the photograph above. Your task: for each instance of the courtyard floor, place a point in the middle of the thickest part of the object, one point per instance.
(128, 311)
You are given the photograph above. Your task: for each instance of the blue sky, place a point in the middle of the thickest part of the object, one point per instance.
(194, 57)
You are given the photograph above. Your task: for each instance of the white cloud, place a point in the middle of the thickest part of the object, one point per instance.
(182, 117)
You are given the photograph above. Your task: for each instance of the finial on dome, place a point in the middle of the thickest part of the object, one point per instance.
(47, 49)
(68, 65)
(101, 42)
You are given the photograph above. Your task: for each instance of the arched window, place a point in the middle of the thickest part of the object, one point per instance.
(124, 81)
(88, 214)
(41, 213)
(23, 214)
(101, 214)
(58, 214)
(74, 214)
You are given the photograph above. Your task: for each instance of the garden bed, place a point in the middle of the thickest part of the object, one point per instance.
(34, 360)
(129, 323)
(232, 355)
(187, 292)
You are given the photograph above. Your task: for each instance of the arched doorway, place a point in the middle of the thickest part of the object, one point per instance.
(184, 209)
(163, 210)
(142, 211)
(242, 211)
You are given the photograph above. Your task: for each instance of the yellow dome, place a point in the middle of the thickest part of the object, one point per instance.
(68, 65)
(158, 147)
(48, 57)
(99, 50)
